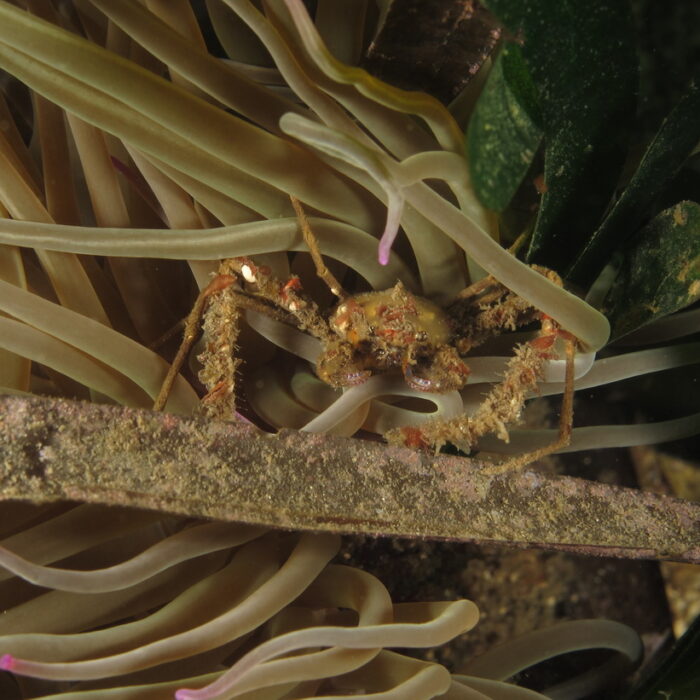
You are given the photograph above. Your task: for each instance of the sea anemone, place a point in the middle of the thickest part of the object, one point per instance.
(184, 600)
(157, 160)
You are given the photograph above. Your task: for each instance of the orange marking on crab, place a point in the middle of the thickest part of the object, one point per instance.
(292, 284)
(388, 314)
(344, 315)
(223, 387)
(219, 283)
(413, 437)
(543, 342)
(528, 377)
(460, 368)
(396, 336)
(353, 337)
(386, 332)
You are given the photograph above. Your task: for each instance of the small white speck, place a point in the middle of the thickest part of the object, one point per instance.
(247, 273)
(293, 306)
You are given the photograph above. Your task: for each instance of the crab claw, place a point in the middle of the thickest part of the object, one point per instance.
(418, 383)
(446, 372)
(337, 366)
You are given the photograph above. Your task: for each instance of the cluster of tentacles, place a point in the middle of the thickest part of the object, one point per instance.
(102, 603)
(132, 161)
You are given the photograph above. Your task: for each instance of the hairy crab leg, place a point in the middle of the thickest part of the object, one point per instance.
(285, 295)
(220, 282)
(566, 420)
(504, 403)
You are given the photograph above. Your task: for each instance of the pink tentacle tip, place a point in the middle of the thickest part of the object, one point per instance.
(7, 662)
(185, 694)
(386, 241)
(384, 249)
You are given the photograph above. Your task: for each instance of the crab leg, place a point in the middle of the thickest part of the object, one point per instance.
(220, 282)
(221, 319)
(503, 405)
(566, 419)
(310, 239)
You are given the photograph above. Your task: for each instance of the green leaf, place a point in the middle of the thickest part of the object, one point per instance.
(660, 273)
(685, 184)
(675, 140)
(582, 58)
(504, 132)
(678, 675)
